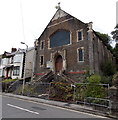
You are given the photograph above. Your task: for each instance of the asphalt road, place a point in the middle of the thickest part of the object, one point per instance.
(17, 108)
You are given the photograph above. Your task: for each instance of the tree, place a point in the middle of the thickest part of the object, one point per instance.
(108, 69)
(115, 51)
(115, 33)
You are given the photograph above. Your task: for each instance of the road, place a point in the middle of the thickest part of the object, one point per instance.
(18, 108)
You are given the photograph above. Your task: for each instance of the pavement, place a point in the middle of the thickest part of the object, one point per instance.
(62, 104)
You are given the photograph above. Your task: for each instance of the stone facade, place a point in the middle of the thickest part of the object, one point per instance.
(84, 52)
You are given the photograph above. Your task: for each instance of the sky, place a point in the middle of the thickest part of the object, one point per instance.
(25, 20)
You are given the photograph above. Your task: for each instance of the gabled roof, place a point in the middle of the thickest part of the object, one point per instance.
(7, 54)
(60, 14)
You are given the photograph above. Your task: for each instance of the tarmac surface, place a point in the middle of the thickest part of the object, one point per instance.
(62, 104)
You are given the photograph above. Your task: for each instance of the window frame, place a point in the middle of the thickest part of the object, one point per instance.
(42, 47)
(41, 63)
(16, 58)
(70, 40)
(82, 38)
(78, 54)
(16, 72)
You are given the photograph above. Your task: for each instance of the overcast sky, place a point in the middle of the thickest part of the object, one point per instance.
(25, 20)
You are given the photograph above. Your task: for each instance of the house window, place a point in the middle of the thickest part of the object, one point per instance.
(80, 54)
(4, 61)
(60, 38)
(16, 71)
(42, 45)
(17, 58)
(41, 60)
(79, 35)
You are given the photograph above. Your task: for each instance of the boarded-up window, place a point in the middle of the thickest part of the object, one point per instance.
(61, 37)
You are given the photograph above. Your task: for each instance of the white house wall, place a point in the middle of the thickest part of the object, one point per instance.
(21, 68)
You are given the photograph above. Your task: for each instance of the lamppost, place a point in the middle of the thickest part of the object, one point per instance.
(24, 67)
(25, 44)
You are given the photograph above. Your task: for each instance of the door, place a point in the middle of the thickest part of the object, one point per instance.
(58, 64)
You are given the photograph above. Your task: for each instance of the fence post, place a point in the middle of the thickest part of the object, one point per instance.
(73, 86)
(114, 100)
(110, 106)
(49, 91)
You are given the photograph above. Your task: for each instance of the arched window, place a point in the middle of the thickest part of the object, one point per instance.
(59, 38)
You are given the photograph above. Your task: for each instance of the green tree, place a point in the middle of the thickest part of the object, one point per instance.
(108, 68)
(115, 33)
(93, 88)
(115, 51)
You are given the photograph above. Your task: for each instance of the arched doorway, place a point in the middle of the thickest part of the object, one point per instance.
(58, 63)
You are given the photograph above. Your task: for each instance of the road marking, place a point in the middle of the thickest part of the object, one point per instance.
(22, 109)
(90, 114)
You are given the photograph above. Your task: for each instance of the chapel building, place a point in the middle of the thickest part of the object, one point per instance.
(71, 47)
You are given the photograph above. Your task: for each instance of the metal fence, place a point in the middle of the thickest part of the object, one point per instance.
(93, 95)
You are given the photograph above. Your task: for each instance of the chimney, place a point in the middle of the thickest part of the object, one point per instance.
(13, 50)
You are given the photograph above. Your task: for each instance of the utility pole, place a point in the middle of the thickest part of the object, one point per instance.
(24, 68)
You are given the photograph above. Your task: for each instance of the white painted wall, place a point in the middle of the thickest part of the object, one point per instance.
(18, 61)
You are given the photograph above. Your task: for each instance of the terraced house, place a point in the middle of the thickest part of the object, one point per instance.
(69, 46)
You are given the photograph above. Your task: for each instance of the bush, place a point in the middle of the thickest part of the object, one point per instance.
(94, 79)
(108, 68)
(115, 80)
(93, 87)
(8, 80)
(6, 83)
(106, 80)
(61, 91)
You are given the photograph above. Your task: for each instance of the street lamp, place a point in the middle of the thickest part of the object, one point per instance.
(24, 67)
(24, 44)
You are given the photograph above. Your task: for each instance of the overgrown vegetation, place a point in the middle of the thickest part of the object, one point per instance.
(61, 91)
(8, 80)
(108, 70)
(6, 83)
(91, 88)
(115, 80)
(92, 91)
(115, 38)
(115, 52)
(115, 33)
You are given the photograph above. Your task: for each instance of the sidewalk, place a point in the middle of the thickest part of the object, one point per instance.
(62, 104)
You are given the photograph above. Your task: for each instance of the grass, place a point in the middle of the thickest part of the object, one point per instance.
(8, 80)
